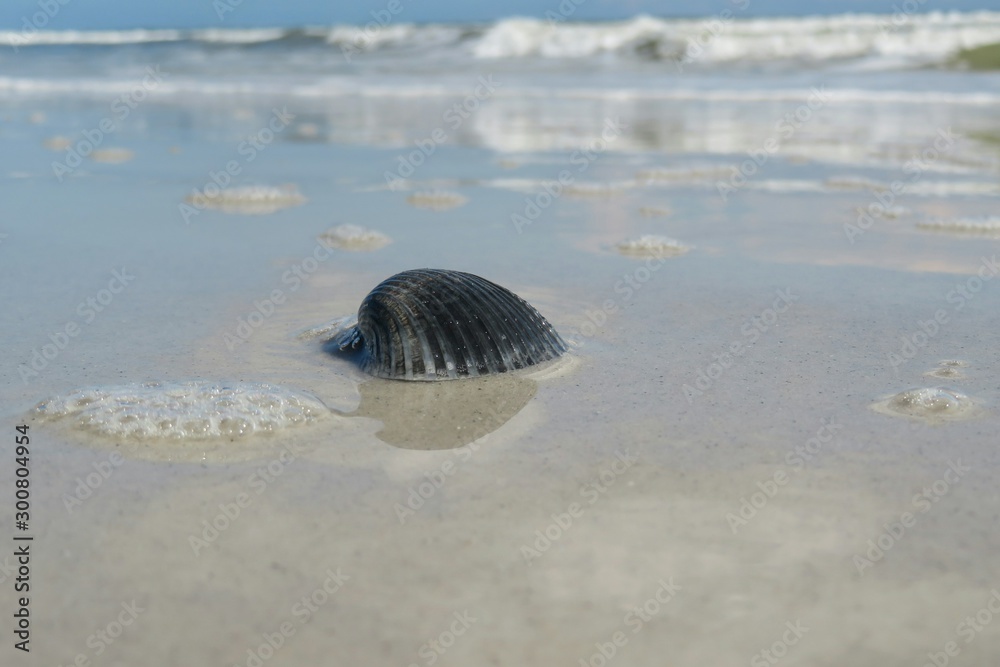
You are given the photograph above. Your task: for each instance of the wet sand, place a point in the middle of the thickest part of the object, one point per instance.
(705, 480)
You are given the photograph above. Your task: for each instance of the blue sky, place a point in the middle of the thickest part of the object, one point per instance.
(118, 14)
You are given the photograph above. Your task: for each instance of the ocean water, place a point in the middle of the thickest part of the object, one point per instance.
(770, 243)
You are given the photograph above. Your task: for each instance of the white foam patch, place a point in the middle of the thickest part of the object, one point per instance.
(693, 174)
(57, 143)
(989, 226)
(654, 211)
(436, 200)
(248, 199)
(335, 328)
(881, 40)
(354, 237)
(850, 182)
(652, 245)
(879, 211)
(112, 155)
(929, 404)
(597, 189)
(184, 410)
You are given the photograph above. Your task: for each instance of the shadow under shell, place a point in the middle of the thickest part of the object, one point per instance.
(442, 415)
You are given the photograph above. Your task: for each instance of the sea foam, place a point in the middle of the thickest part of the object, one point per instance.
(183, 410)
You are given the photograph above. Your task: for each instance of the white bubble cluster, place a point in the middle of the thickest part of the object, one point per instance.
(354, 237)
(436, 200)
(248, 199)
(987, 226)
(184, 410)
(651, 245)
(929, 404)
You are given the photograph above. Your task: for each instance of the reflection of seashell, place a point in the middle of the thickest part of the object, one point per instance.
(443, 415)
(433, 324)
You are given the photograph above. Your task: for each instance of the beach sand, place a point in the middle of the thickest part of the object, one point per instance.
(703, 479)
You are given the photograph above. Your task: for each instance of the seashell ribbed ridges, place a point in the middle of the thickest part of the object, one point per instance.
(433, 324)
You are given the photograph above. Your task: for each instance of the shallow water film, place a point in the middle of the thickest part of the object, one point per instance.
(770, 246)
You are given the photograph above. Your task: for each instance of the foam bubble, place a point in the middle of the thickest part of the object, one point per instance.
(354, 237)
(854, 183)
(249, 199)
(307, 132)
(654, 211)
(596, 189)
(948, 369)
(112, 155)
(945, 372)
(987, 226)
(436, 200)
(338, 327)
(929, 404)
(889, 213)
(57, 143)
(184, 410)
(685, 175)
(651, 245)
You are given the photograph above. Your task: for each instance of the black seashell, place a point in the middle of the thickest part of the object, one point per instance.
(434, 324)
